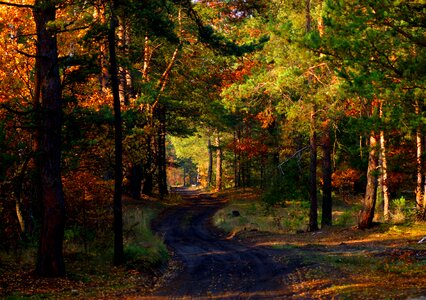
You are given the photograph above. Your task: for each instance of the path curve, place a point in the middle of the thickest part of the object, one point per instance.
(214, 267)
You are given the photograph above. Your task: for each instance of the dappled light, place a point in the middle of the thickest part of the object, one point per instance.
(225, 149)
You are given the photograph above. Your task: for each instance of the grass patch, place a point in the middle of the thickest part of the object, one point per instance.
(336, 262)
(287, 217)
(253, 214)
(142, 246)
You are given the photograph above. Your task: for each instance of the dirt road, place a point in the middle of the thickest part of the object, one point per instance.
(212, 266)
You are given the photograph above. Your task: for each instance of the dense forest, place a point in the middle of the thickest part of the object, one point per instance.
(302, 100)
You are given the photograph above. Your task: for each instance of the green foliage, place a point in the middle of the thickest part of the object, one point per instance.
(142, 246)
(401, 211)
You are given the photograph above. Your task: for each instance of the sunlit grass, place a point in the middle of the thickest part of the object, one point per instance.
(254, 215)
(336, 262)
(291, 217)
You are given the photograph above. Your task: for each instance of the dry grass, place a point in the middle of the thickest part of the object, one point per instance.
(385, 262)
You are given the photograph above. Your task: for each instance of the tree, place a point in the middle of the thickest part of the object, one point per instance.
(380, 48)
(118, 168)
(50, 260)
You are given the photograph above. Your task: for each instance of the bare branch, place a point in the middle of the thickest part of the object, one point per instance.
(26, 54)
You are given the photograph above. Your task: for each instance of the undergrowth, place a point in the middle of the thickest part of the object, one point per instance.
(88, 258)
(286, 216)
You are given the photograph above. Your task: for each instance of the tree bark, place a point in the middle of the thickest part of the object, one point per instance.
(218, 164)
(367, 213)
(418, 191)
(147, 184)
(162, 163)
(384, 170)
(210, 166)
(313, 212)
(135, 180)
(50, 260)
(327, 204)
(118, 214)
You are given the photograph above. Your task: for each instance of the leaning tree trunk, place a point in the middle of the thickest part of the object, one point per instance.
(367, 213)
(118, 213)
(327, 207)
(50, 260)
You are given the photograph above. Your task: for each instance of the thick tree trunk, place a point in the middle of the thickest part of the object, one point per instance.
(313, 212)
(327, 205)
(50, 254)
(367, 213)
(218, 164)
(118, 214)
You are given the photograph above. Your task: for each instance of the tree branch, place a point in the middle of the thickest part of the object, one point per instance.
(17, 5)
(14, 111)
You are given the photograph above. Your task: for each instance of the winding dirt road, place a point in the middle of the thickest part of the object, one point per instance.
(212, 266)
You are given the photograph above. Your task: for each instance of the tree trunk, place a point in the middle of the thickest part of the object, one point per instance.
(327, 205)
(210, 166)
(147, 184)
(184, 176)
(369, 203)
(423, 216)
(418, 191)
(118, 214)
(235, 160)
(313, 212)
(384, 170)
(218, 164)
(135, 180)
(239, 164)
(162, 163)
(50, 260)
(100, 16)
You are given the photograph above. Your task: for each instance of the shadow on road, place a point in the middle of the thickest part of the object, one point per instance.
(211, 266)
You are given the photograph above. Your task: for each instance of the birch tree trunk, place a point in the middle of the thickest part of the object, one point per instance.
(384, 170)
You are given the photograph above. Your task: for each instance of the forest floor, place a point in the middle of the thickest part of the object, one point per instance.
(385, 262)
